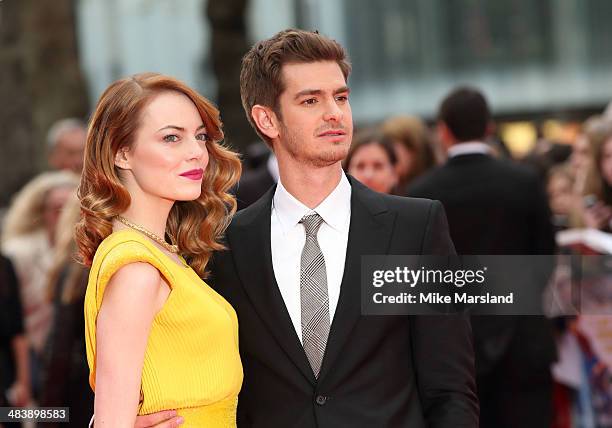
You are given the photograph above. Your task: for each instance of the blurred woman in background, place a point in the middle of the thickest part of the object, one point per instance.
(14, 359)
(413, 148)
(597, 212)
(592, 165)
(561, 197)
(372, 160)
(28, 239)
(66, 372)
(583, 151)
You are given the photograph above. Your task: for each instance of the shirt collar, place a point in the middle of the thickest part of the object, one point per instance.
(469, 148)
(334, 209)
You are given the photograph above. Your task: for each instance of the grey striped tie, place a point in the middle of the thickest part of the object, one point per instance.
(313, 295)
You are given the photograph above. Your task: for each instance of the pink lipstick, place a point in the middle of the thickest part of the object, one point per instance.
(194, 174)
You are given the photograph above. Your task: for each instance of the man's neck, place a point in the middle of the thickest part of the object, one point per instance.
(309, 184)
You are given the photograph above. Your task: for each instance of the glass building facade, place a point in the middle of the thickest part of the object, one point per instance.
(526, 55)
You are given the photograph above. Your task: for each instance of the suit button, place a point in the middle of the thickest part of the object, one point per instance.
(321, 400)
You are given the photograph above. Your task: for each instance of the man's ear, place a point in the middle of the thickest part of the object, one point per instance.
(445, 135)
(265, 120)
(121, 158)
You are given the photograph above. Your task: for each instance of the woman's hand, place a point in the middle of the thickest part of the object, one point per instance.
(20, 390)
(20, 393)
(598, 216)
(163, 419)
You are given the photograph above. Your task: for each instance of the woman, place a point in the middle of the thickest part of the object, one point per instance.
(594, 130)
(14, 364)
(66, 381)
(597, 210)
(561, 198)
(28, 239)
(157, 336)
(413, 148)
(371, 160)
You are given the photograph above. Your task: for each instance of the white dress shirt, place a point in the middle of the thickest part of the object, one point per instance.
(469, 148)
(287, 237)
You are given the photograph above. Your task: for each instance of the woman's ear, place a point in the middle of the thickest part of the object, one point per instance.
(121, 158)
(265, 120)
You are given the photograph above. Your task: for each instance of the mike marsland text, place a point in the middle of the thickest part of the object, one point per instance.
(439, 298)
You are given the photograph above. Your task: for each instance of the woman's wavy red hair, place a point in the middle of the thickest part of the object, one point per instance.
(195, 226)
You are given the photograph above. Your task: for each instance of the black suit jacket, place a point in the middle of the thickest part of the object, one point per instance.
(497, 207)
(493, 206)
(394, 371)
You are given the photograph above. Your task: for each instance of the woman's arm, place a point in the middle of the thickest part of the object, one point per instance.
(132, 297)
(21, 388)
(13, 328)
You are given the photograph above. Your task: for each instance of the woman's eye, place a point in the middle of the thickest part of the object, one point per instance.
(379, 166)
(202, 137)
(171, 138)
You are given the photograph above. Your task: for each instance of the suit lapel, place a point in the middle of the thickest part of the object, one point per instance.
(250, 243)
(369, 234)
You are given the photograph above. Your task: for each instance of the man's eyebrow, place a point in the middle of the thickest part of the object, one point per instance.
(342, 89)
(308, 92)
(319, 92)
(178, 128)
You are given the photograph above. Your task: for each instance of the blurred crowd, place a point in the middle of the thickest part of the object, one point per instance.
(42, 288)
(495, 204)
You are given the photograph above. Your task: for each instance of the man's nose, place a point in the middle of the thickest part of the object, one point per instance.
(333, 112)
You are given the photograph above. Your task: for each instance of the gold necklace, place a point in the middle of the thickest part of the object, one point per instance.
(170, 247)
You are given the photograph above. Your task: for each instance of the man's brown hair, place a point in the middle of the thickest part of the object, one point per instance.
(260, 76)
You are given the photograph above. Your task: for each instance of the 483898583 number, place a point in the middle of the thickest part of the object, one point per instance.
(42, 414)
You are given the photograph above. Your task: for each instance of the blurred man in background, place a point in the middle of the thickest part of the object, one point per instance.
(496, 207)
(66, 142)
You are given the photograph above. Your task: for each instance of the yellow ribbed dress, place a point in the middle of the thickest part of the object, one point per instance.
(191, 362)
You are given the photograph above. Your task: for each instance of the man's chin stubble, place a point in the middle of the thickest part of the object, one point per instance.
(329, 157)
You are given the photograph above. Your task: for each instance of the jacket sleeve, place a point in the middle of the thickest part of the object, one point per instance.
(442, 349)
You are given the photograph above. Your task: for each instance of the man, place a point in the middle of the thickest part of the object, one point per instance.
(495, 207)
(292, 269)
(66, 143)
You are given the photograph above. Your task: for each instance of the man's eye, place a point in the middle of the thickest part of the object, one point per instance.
(342, 98)
(171, 138)
(309, 101)
(202, 137)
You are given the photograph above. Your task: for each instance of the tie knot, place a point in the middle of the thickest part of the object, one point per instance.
(311, 223)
